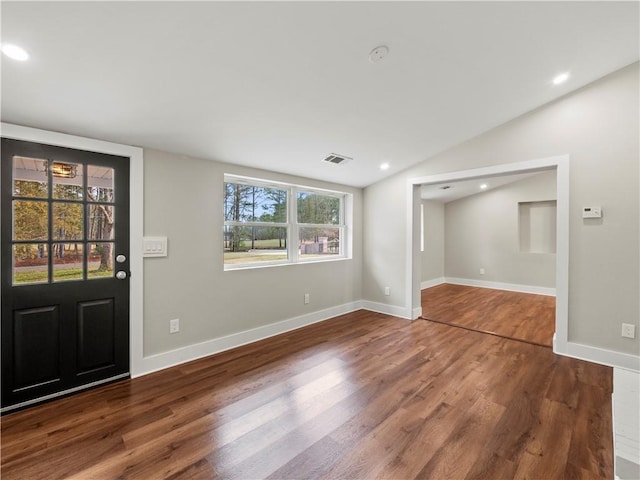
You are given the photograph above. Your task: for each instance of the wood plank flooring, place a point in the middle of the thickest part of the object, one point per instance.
(363, 395)
(521, 316)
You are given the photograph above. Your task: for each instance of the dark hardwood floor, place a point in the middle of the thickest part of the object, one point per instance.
(521, 316)
(363, 395)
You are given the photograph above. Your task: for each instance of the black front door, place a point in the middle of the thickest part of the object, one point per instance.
(65, 270)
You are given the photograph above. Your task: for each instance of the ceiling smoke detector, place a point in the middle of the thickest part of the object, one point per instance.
(337, 159)
(378, 54)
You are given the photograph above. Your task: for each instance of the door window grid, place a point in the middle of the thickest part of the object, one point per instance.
(59, 233)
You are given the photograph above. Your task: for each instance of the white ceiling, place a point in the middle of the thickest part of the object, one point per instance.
(280, 85)
(464, 188)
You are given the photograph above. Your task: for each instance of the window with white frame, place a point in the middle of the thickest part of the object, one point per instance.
(268, 223)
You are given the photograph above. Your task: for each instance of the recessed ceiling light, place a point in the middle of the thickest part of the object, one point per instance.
(558, 79)
(484, 186)
(384, 166)
(15, 52)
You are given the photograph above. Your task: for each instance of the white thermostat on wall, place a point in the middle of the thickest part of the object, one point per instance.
(591, 212)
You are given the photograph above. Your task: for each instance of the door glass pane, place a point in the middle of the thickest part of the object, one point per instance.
(67, 262)
(100, 260)
(100, 184)
(67, 221)
(30, 177)
(30, 220)
(101, 219)
(319, 242)
(30, 263)
(67, 180)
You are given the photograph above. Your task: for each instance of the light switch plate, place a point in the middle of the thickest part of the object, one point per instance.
(154, 246)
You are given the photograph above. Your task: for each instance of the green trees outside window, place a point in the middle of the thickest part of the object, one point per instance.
(49, 221)
(280, 223)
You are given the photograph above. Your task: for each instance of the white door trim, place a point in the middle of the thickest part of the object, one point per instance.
(136, 204)
(561, 165)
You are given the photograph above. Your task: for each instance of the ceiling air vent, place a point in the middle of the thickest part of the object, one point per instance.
(337, 159)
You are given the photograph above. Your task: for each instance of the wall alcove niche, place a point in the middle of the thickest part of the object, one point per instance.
(537, 226)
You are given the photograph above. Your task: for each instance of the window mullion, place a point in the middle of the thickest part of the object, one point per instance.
(229, 223)
(321, 225)
(292, 246)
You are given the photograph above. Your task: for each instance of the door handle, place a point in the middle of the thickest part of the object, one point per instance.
(121, 275)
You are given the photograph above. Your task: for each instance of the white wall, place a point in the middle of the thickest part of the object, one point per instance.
(482, 231)
(384, 241)
(598, 127)
(183, 200)
(433, 255)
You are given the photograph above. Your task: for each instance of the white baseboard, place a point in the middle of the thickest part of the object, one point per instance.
(602, 356)
(394, 310)
(171, 358)
(432, 283)
(511, 287)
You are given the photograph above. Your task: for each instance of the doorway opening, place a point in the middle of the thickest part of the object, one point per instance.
(488, 261)
(479, 176)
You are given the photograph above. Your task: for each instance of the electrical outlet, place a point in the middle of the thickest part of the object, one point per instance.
(628, 330)
(307, 298)
(174, 325)
(387, 291)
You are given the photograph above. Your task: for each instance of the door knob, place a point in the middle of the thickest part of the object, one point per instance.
(121, 275)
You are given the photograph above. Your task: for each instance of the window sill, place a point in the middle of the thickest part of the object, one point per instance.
(231, 268)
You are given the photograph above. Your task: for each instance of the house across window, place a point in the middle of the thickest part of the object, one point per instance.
(272, 223)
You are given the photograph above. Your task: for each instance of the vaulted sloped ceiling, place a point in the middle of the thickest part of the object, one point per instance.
(281, 85)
